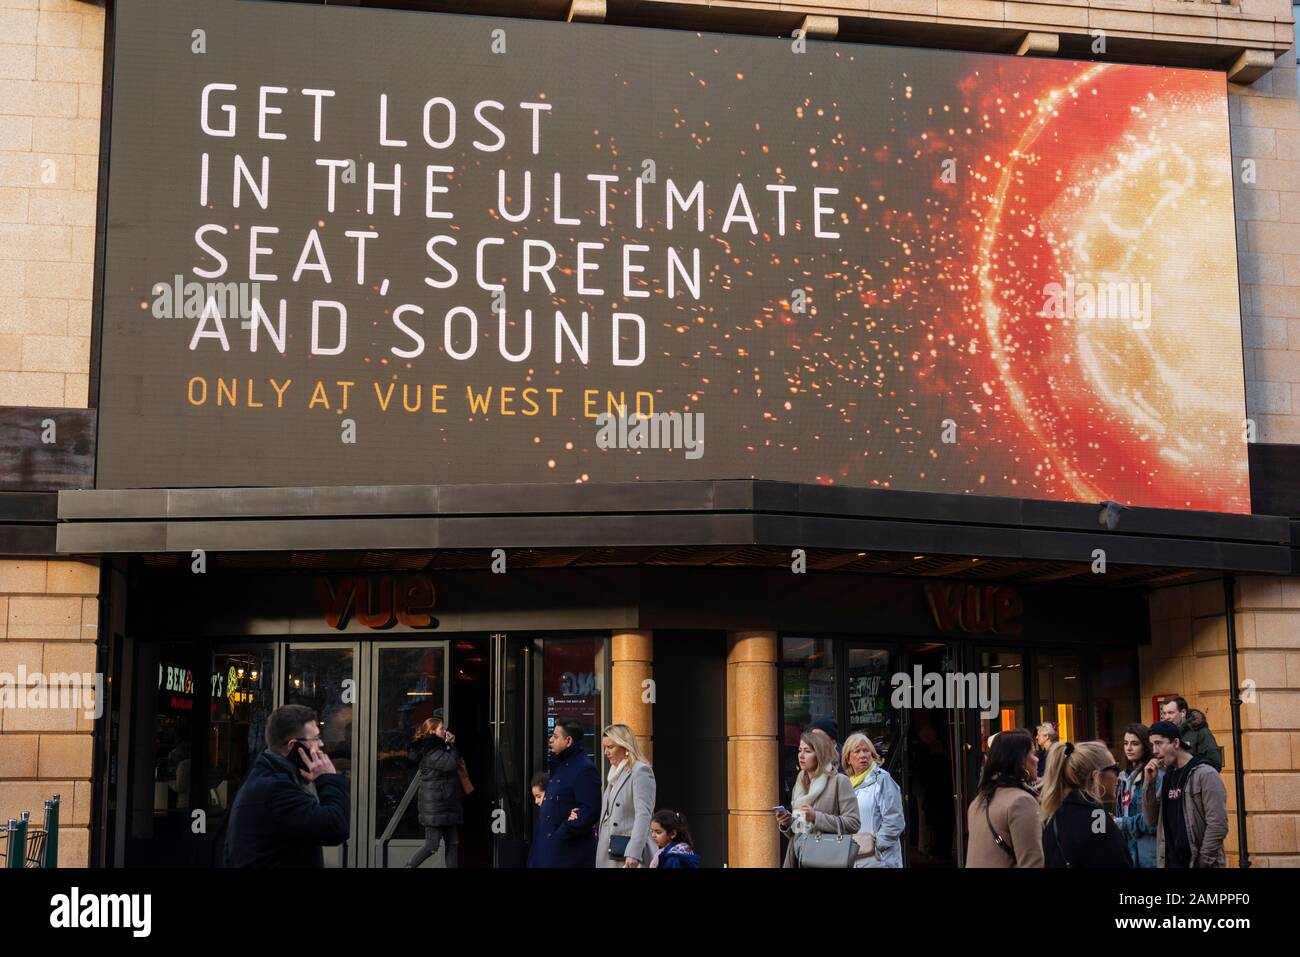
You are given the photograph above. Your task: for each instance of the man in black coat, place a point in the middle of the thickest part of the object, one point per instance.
(277, 820)
(566, 833)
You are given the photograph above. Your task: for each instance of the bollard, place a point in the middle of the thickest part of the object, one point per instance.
(17, 842)
(51, 855)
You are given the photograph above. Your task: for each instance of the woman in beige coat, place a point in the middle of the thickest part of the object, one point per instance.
(1003, 821)
(822, 799)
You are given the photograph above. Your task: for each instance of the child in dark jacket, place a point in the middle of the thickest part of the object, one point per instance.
(668, 830)
(538, 789)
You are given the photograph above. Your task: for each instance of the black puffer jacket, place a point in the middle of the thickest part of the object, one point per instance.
(440, 795)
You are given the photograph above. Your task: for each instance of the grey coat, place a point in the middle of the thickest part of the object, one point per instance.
(1205, 814)
(625, 808)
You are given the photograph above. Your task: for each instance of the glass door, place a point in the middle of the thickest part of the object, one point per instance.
(868, 709)
(324, 678)
(1061, 694)
(934, 741)
(242, 685)
(538, 681)
(1009, 669)
(515, 733)
(408, 684)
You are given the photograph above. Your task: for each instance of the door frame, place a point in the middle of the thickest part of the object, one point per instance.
(364, 818)
(350, 853)
(503, 720)
(958, 722)
(962, 723)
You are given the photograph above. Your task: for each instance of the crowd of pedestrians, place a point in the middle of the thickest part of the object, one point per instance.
(1040, 801)
(581, 824)
(1051, 807)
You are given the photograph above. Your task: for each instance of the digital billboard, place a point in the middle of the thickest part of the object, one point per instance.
(353, 246)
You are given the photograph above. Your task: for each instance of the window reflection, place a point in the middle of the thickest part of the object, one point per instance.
(571, 687)
(316, 677)
(869, 671)
(1060, 695)
(1010, 671)
(807, 694)
(410, 689)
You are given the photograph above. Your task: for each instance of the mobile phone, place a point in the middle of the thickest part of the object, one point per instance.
(780, 809)
(298, 755)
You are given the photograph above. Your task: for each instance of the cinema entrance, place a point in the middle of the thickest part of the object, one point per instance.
(718, 653)
(197, 732)
(899, 691)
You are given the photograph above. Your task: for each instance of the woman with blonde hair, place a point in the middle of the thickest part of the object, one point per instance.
(880, 805)
(1078, 831)
(439, 795)
(822, 798)
(627, 804)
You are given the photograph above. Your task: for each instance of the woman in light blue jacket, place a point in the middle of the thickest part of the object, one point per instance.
(1140, 835)
(880, 804)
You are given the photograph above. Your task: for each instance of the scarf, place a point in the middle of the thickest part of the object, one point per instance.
(807, 795)
(616, 770)
(857, 779)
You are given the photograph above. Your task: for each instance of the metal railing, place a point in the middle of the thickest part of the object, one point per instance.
(32, 847)
(397, 817)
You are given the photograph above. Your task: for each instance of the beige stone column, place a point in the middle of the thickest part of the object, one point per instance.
(632, 658)
(752, 749)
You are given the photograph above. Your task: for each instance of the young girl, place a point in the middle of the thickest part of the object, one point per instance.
(538, 787)
(1140, 835)
(669, 832)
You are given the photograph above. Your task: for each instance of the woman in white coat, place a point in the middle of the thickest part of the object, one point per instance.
(628, 802)
(880, 803)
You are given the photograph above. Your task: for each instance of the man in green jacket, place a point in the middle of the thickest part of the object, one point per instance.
(1194, 731)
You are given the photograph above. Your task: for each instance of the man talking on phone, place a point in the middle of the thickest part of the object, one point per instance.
(279, 819)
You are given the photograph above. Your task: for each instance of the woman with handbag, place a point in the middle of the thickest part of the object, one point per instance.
(627, 804)
(825, 815)
(1003, 821)
(439, 795)
(880, 805)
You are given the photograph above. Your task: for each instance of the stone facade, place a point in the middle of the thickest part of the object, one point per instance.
(1188, 655)
(51, 61)
(1265, 128)
(51, 57)
(49, 616)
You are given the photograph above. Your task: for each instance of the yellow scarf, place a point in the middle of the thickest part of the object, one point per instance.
(857, 779)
